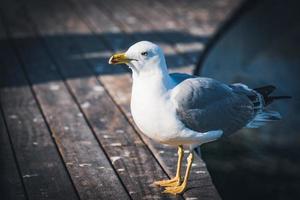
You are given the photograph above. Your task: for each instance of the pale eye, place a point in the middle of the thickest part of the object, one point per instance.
(144, 53)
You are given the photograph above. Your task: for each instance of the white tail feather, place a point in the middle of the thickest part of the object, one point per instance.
(262, 117)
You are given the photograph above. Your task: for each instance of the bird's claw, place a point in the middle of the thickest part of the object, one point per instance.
(168, 183)
(175, 190)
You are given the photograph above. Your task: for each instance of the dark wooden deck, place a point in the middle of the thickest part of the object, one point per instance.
(66, 128)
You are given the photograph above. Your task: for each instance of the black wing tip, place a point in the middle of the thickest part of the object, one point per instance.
(265, 90)
(280, 97)
(270, 99)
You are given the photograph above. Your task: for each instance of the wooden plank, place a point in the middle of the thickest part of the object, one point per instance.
(119, 87)
(112, 34)
(202, 17)
(200, 175)
(11, 186)
(157, 148)
(135, 27)
(88, 165)
(44, 175)
(132, 160)
(185, 45)
(197, 20)
(91, 16)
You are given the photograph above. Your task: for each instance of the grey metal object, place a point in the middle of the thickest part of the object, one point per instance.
(259, 45)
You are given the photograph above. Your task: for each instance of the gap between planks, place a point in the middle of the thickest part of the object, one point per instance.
(19, 109)
(69, 88)
(106, 85)
(83, 195)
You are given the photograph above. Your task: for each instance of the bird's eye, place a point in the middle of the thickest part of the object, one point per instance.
(144, 53)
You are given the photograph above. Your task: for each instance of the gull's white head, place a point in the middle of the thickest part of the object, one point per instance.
(142, 57)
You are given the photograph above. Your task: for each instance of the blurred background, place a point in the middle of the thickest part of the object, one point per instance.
(259, 46)
(54, 74)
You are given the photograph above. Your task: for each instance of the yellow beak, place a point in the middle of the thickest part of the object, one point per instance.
(118, 58)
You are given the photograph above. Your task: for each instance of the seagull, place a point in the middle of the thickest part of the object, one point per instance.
(180, 109)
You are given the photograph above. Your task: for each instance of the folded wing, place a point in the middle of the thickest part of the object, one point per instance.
(204, 104)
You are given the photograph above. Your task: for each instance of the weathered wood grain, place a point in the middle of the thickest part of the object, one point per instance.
(202, 17)
(88, 165)
(11, 187)
(40, 166)
(119, 87)
(136, 166)
(119, 95)
(184, 45)
(200, 179)
(77, 43)
(197, 20)
(130, 24)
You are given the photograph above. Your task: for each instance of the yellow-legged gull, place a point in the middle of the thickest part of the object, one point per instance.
(180, 109)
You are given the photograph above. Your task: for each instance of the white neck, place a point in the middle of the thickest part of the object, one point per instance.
(153, 79)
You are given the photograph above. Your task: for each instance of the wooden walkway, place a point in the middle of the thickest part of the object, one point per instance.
(66, 128)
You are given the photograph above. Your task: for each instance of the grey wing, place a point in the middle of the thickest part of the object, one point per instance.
(179, 77)
(205, 104)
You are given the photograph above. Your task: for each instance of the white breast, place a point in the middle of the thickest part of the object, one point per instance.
(152, 111)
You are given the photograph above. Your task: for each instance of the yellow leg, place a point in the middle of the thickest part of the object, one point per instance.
(180, 188)
(176, 180)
